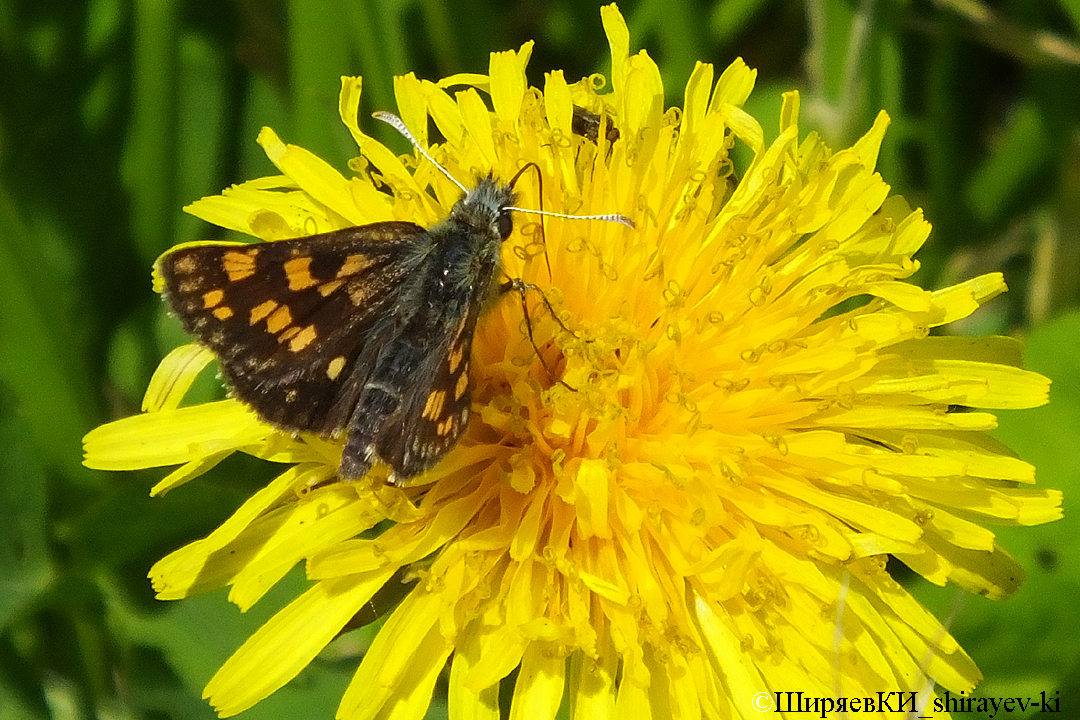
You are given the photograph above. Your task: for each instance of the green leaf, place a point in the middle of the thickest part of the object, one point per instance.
(318, 57)
(25, 570)
(149, 164)
(732, 17)
(1015, 159)
(48, 382)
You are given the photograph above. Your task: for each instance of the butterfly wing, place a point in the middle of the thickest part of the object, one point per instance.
(292, 320)
(434, 411)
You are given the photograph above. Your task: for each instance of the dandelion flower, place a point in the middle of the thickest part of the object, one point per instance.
(682, 491)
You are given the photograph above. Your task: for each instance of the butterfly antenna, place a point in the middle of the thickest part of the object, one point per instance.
(610, 217)
(395, 122)
(540, 197)
(398, 124)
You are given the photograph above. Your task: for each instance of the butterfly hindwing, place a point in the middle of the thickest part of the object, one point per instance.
(291, 320)
(434, 412)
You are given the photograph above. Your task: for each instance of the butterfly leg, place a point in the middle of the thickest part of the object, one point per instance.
(521, 287)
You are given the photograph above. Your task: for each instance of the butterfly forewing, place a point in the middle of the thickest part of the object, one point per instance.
(291, 320)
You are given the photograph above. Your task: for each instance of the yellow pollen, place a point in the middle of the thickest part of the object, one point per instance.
(358, 294)
(185, 264)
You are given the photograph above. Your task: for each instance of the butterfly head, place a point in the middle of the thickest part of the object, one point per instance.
(487, 207)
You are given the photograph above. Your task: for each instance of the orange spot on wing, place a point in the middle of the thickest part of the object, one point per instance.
(352, 265)
(279, 319)
(455, 358)
(333, 370)
(303, 338)
(223, 313)
(434, 406)
(298, 273)
(458, 353)
(260, 311)
(329, 287)
(213, 298)
(239, 264)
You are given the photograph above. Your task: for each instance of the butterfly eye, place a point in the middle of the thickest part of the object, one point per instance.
(505, 224)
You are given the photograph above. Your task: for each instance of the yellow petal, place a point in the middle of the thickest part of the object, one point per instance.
(407, 641)
(539, 687)
(508, 82)
(285, 645)
(186, 571)
(619, 40)
(320, 181)
(171, 437)
(412, 105)
(174, 376)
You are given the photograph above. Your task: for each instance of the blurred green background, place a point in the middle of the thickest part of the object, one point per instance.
(116, 113)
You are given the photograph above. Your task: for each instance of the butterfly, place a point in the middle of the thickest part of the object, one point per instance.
(365, 331)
